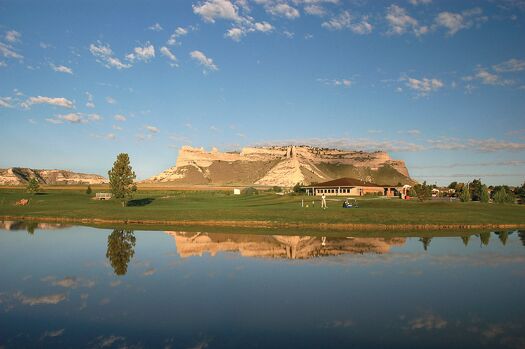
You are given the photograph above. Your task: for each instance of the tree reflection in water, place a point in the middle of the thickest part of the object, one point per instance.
(426, 242)
(121, 248)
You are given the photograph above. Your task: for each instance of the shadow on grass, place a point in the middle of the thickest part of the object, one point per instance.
(140, 202)
(41, 193)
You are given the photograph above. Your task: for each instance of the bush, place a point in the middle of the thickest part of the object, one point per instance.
(484, 194)
(423, 191)
(33, 186)
(89, 190)
(277, 189)
(250, 191)
(465, 195)
(297, 188)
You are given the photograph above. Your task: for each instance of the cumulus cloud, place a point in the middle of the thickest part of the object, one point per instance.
(90, 103)
(47, 299)
(104, 55)
(62, 69)
(455, 22)
(354, 144)
(346, 21)
(5, 102)
(282, 10)
(152, 129)
(155, 27)
(423, 86)
(74, 118)
(336, 82)
(120, 117)
(400, 22)
(142, 53)
(111, 100)
(206, 62)
(315, 10)
(180, 31)
(12, 36)
(236, 33)
(9, 52)
(512, 65)
(486, 77)
(58, 101)
(420, 2)
(166, 52)
(211, 10)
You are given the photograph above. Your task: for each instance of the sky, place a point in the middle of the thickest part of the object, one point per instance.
(439, 84)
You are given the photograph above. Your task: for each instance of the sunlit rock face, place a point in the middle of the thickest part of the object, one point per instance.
(282, 166)
(20, 176)
(278, 246)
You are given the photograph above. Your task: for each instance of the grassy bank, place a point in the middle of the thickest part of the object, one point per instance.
(214, 207)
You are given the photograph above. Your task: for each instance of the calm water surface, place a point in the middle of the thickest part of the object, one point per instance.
(81, 287)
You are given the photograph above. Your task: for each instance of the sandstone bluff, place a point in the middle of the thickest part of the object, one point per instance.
(20, 176)
(281, 166)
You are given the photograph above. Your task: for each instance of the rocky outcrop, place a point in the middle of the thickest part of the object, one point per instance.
(278, 246)
(282, 166)
(20, 176)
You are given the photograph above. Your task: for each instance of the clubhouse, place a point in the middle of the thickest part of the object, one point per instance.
(355, 187)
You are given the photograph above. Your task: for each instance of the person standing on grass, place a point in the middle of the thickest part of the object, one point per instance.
(323, 202)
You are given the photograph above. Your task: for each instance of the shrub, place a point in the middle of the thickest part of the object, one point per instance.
(501, 196)
(484, 194)
(33, 186)
(250, 191)
(465, 195)
(423, 191)
(89, 190)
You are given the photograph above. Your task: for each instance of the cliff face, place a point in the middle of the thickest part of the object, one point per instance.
(278, 246)
(282, 166)
(20, 176)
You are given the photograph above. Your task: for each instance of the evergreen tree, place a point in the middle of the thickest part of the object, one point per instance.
(484, 194)
(503, 196)
(465, 195)
(121, 178)
(33, 186)
(121, 248)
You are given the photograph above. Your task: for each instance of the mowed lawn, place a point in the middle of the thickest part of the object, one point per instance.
(220, 206)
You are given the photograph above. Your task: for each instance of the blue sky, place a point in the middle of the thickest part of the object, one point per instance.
(439, 84)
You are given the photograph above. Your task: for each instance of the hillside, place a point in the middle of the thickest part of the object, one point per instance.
(282, 166)
(20, 176)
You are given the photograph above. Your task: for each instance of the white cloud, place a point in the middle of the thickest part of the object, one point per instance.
(142, 53)
(120, 117)
(400, 22)
(420, 2)
(152, 129)
(423, 86)
(235, 34)
(180, 31)
(282, 10)
(155, 27)
(111, 100)
(59, 102)
(204, 61)
(95, 117)
(8, 51)
(345, 21)
(488, 78)
(336, 82)
(3, 64)
(74, 118)
(315, 10)
(455, 22)
(90, 103)
(5, 102)
(111, 136)
(104, 55)
(117, 128)
(47, 299)
(166, 52)
(263, 27)
(12, 36)
(211, 10)
(512, 65)
(62, 69)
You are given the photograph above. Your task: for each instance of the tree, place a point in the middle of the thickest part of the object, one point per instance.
(520, 192)
(484, 194)
(250, 191)
(453, 185)
(475, 189)
(464, 196)
(503, 196)
(89, 190)
(33, 186)
(121, 178)
(297, 188)
(426, 242)
(485, 238)
(121, 248)
(423, 191)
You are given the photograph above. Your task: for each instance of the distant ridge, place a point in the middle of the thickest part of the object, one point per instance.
(20, 176)
(281, 166)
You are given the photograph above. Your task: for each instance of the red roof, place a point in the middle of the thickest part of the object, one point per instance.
(345, 182)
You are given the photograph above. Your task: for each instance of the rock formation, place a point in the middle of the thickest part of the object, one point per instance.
(278, 246)
(20, 176)
(282, 166)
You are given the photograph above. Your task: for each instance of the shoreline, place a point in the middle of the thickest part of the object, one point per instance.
(268, 224)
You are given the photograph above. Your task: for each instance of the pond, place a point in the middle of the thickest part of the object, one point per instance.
(77, 286)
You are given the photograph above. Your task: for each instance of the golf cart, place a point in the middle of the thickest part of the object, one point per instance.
(350, 203)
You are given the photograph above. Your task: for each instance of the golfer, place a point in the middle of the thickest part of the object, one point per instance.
(323, 202)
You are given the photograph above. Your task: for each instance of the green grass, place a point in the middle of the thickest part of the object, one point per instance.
(210, 206)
